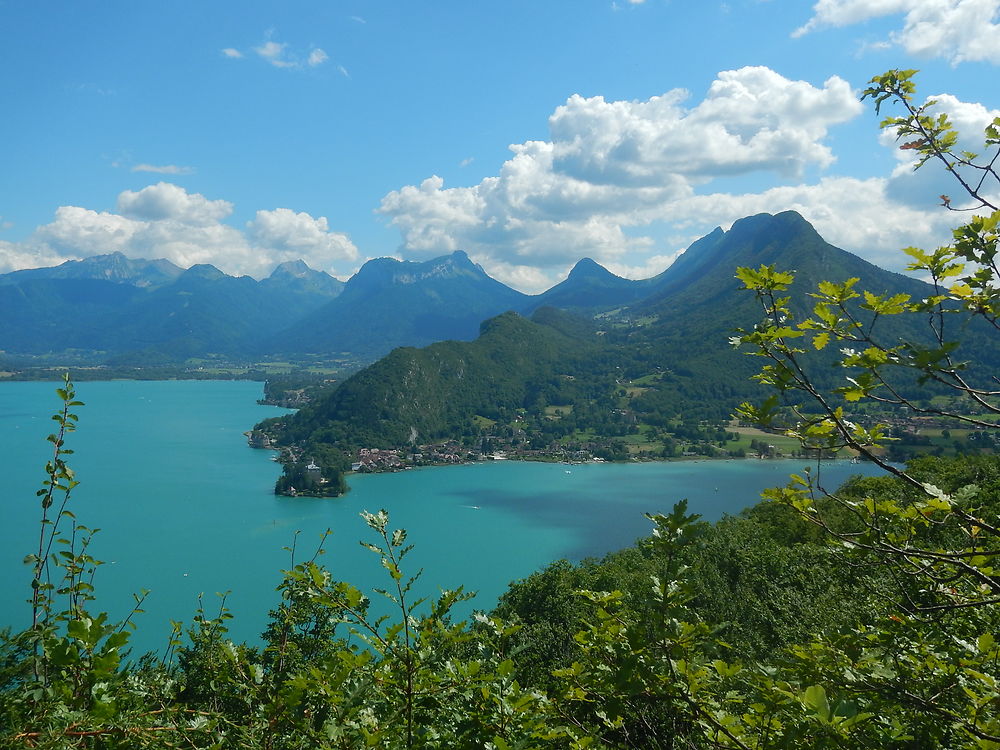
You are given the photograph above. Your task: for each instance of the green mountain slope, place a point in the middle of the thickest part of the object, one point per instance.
(43, 315)
(422, 395)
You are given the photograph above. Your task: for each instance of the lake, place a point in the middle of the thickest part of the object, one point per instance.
(186, 507)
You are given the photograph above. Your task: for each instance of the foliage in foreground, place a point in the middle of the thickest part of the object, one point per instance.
(864, 617)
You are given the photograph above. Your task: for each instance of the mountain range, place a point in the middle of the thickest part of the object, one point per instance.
(116, 310)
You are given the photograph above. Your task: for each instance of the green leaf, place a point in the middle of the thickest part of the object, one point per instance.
(815, 698)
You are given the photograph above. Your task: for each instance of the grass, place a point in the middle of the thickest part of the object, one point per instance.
(783, 443)
(648, 380)
(640, 443)
(634, 390)
(558, 411)
(579, 436)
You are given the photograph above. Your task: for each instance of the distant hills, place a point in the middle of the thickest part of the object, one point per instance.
(113, 309)
(113, 267)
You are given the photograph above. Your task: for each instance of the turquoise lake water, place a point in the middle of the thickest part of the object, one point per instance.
(186, 507)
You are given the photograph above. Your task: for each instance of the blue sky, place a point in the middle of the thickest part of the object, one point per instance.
(529, 134)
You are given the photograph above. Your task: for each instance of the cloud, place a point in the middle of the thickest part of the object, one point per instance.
(630, 183)
(165, 169)
(287, 235)
(231, 53)
(15, 256)
(165, 221)
(274, 53)
(167, 201)
(78, 232)
(957, 30)
(613, 165)
(279, 55)
(922, 188)
(751, 119)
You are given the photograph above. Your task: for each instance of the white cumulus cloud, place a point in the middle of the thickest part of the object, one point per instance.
(613, 165)
(922, 188)
(274, 53)
(751, 119)
(281, 55)
(957, 30)
(287, 235)
(15, 256)
(858, 215)
(167, 201)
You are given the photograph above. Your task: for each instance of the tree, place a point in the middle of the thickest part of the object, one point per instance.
(937, 657)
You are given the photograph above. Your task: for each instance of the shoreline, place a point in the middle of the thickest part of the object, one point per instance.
(649, 461)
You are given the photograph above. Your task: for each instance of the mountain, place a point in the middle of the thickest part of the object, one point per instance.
(416, 396)
(295, 277)
(704, 254)
(112, 308)
(204, 311)
(699, 299)
(700, 304)
(45, 315)
(590, 287)
(114, 267)
(704, 275)
(125, 311)
(391, 303)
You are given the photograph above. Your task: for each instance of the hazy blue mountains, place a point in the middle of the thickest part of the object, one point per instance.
(138, 311)
(391, 303)
(590, 287)
(128, 311)
(113, 267)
